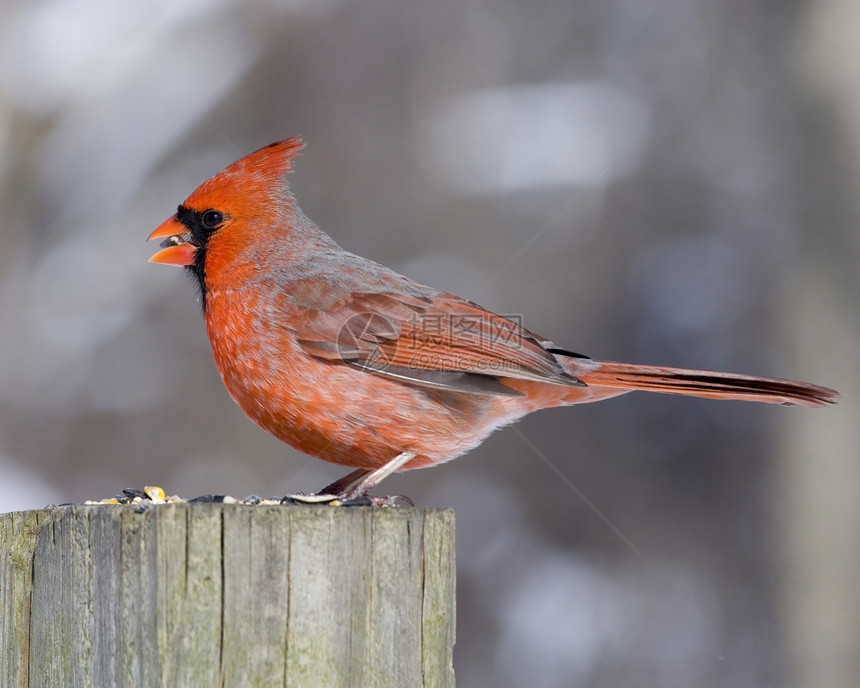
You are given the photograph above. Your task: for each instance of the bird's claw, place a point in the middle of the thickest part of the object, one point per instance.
(401, 501)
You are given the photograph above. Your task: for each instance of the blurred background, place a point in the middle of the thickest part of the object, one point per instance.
(666, 182)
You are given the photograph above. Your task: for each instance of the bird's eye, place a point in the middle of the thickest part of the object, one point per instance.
(212, 218)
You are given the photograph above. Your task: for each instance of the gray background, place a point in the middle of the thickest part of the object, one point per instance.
(665, 182)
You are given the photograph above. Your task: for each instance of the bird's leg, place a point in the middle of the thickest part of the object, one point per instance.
(346, 482)
(333, 491)
(357, 484)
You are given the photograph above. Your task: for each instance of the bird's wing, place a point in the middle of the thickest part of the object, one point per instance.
(438, 341)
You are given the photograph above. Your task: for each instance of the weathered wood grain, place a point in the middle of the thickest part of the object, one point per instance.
(226, 595)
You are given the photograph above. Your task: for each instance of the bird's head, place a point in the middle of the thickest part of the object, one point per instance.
(222, 226)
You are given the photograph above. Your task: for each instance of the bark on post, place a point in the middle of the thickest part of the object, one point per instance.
(227, 595)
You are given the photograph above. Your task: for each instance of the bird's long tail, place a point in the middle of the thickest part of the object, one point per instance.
(705, 383)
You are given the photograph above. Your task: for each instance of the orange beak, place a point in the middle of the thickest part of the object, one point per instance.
(176, 249)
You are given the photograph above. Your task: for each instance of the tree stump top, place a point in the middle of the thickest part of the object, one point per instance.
(218, 594)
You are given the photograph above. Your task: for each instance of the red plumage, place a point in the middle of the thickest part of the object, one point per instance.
(355, 364)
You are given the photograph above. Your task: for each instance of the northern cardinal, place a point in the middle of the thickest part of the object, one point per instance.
(352, 363)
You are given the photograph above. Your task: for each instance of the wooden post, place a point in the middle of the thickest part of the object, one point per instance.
(226, 595)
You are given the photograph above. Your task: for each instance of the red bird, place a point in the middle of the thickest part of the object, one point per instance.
(352, 363)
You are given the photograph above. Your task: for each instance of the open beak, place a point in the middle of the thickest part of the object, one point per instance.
(177, 247)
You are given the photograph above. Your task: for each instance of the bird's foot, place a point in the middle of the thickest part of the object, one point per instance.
(352, 489)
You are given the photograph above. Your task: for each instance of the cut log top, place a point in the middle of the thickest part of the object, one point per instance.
(227, 595)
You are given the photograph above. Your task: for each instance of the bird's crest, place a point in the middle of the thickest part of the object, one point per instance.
(276, 158)
(251, 179)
